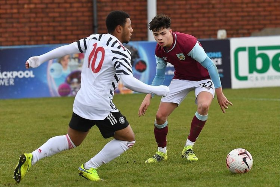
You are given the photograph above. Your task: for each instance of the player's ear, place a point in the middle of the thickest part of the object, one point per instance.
(119, 29)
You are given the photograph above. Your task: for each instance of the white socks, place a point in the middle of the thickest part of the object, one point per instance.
(188, 142)
(56, 144)
(52, 146)
(162, 149)
(110, 151)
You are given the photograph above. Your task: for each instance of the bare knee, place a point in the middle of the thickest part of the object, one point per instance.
(160, 118)
(127, 137)
(203, 108)
(125, 134)
(130, 138)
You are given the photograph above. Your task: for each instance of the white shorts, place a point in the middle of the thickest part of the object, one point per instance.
(179, 89)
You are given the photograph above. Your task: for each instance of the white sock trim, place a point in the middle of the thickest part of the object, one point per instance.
(70, 143)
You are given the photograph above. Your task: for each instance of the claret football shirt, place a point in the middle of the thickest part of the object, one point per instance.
(186, 68)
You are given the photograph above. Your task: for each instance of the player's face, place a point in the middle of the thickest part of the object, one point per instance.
(127, 31)
(163, 37)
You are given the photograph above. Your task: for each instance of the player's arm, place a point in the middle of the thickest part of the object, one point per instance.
(134, 84)
(160, 73)
(200, 56)
(158, 80)
(122, 64)
(36, 61)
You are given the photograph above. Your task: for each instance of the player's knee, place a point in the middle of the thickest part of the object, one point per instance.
(131, 138)
(203, 108)
(125, 137)
(160, 118)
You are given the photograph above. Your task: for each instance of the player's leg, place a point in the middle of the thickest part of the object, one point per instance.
(204, 100)
(204, 97)
(115, 125)
(77, 132)
(125, 134)
(178, 91)
(111, 150)
(161, 131)
(161, 124)
(54, 145)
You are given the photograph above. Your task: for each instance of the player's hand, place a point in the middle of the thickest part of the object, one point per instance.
(144, 105)
(223, 102)
(33, 62)
(161, 90)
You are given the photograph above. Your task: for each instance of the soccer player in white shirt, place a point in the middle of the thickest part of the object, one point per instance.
(106, 62)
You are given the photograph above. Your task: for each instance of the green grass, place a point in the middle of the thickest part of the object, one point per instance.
(252, 123)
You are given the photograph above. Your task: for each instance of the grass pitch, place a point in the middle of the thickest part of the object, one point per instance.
(251, 123)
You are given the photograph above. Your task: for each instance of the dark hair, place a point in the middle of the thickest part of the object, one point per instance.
(114, 19)
(160, 21)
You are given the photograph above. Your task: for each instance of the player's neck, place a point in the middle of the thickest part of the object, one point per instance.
(118, 36)
(169, 45)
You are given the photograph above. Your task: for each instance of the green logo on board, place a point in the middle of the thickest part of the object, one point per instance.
(255, 53)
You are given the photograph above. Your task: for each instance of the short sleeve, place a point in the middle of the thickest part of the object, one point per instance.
(188, 42)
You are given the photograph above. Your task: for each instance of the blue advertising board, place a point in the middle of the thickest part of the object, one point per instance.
(219, 52)
(44, 81)
(62, 77)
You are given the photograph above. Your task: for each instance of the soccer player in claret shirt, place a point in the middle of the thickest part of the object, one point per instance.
(194, 70)
(106, 62)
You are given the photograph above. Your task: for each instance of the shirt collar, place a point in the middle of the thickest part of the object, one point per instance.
(174, 35)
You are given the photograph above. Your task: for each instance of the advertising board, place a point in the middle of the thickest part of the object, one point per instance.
(255, 62)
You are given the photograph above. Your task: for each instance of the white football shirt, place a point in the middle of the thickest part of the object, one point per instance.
(104, 61)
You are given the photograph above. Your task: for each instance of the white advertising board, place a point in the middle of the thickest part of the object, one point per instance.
(255, 62)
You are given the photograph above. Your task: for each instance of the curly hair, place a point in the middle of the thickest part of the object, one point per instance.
(160, 21)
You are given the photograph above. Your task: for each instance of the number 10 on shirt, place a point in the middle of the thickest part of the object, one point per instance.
(93, 56)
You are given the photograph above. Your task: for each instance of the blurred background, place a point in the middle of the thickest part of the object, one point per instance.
(33, 22)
